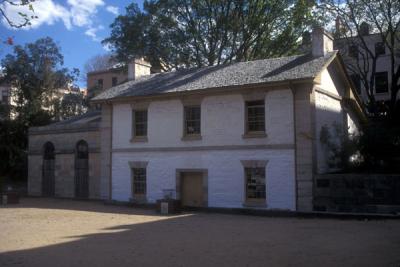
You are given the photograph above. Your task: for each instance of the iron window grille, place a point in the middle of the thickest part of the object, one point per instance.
(255, 183)
(139, 181)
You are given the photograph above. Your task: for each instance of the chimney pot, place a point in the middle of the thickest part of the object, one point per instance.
(322, 42)
(138, 67)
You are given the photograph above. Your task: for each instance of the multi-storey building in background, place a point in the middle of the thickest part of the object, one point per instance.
(98, 81)
(368, 63)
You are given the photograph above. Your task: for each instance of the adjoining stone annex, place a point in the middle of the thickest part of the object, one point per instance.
(64, 158)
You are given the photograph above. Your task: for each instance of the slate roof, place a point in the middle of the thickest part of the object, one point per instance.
(235, 74)
(85, 122)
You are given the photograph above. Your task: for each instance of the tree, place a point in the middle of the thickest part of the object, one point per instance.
(357, 19)
(175, 34)
(72, 104)
(25, 18)
(98, 62)
(35, 73)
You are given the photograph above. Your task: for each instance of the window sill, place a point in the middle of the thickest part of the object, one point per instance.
(254, 135)
(138, 139)
(138, 199)
(255, 204)
(191, 137)
(382, 93)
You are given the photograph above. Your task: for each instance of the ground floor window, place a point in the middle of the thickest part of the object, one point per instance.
(255, 184)
(139, 181)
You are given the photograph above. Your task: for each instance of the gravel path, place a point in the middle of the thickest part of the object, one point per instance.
(53, 232)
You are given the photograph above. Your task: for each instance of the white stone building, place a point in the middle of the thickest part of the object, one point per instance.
(243, 135)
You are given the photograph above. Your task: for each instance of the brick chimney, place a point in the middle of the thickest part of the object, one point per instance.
(137, 68)
(322, 42)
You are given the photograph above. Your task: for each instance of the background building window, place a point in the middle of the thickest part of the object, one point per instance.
(4, 97)
(100, 83)
(255, 183)
(353, 51)
(139, 181)
(255, 116)
(114, 81)
(192, 120)
(379, 48)
(381, 82)
(139, 123)
(355, 78)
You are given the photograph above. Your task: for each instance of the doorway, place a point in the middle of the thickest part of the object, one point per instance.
(48, 170)
(192, 187)
(82, 170)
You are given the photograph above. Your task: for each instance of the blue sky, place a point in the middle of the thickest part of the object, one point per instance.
(77, 26)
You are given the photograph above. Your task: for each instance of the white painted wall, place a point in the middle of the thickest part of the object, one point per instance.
(222, 125)
(222, 122)
(328, 112)
(225, 175)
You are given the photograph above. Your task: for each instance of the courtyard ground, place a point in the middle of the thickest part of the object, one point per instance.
(54, 232)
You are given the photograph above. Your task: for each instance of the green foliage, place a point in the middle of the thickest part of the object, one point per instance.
(380, 146)
(35, 73)
(72, 104)
(343, 151)
(175, 34)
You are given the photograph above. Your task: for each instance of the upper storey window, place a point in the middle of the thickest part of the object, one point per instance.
(100, 83)
(381, 82)
(353, 51)
(114, 81)
(255, 116)
(379, 48)
(139, 124)
(192, 120)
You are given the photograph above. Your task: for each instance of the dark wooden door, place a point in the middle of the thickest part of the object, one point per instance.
(48, 168)
(82, 170)
(48, 180)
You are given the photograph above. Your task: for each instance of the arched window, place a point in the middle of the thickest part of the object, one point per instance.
(82, 170)
(82, 150)
(48, 151)
(48, 170)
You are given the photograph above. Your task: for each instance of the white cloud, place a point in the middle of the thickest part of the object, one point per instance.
(47, 12)
(113, 10)
(107, 47)
(78, 13)
(92, 33)
(82, 11)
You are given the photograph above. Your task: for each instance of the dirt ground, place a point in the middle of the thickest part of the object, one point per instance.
(52, 232)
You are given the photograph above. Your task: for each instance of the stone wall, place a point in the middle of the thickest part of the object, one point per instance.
(304, 140)
(64, 142)
(357, 192)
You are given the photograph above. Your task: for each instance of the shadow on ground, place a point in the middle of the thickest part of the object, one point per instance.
(214, 240)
